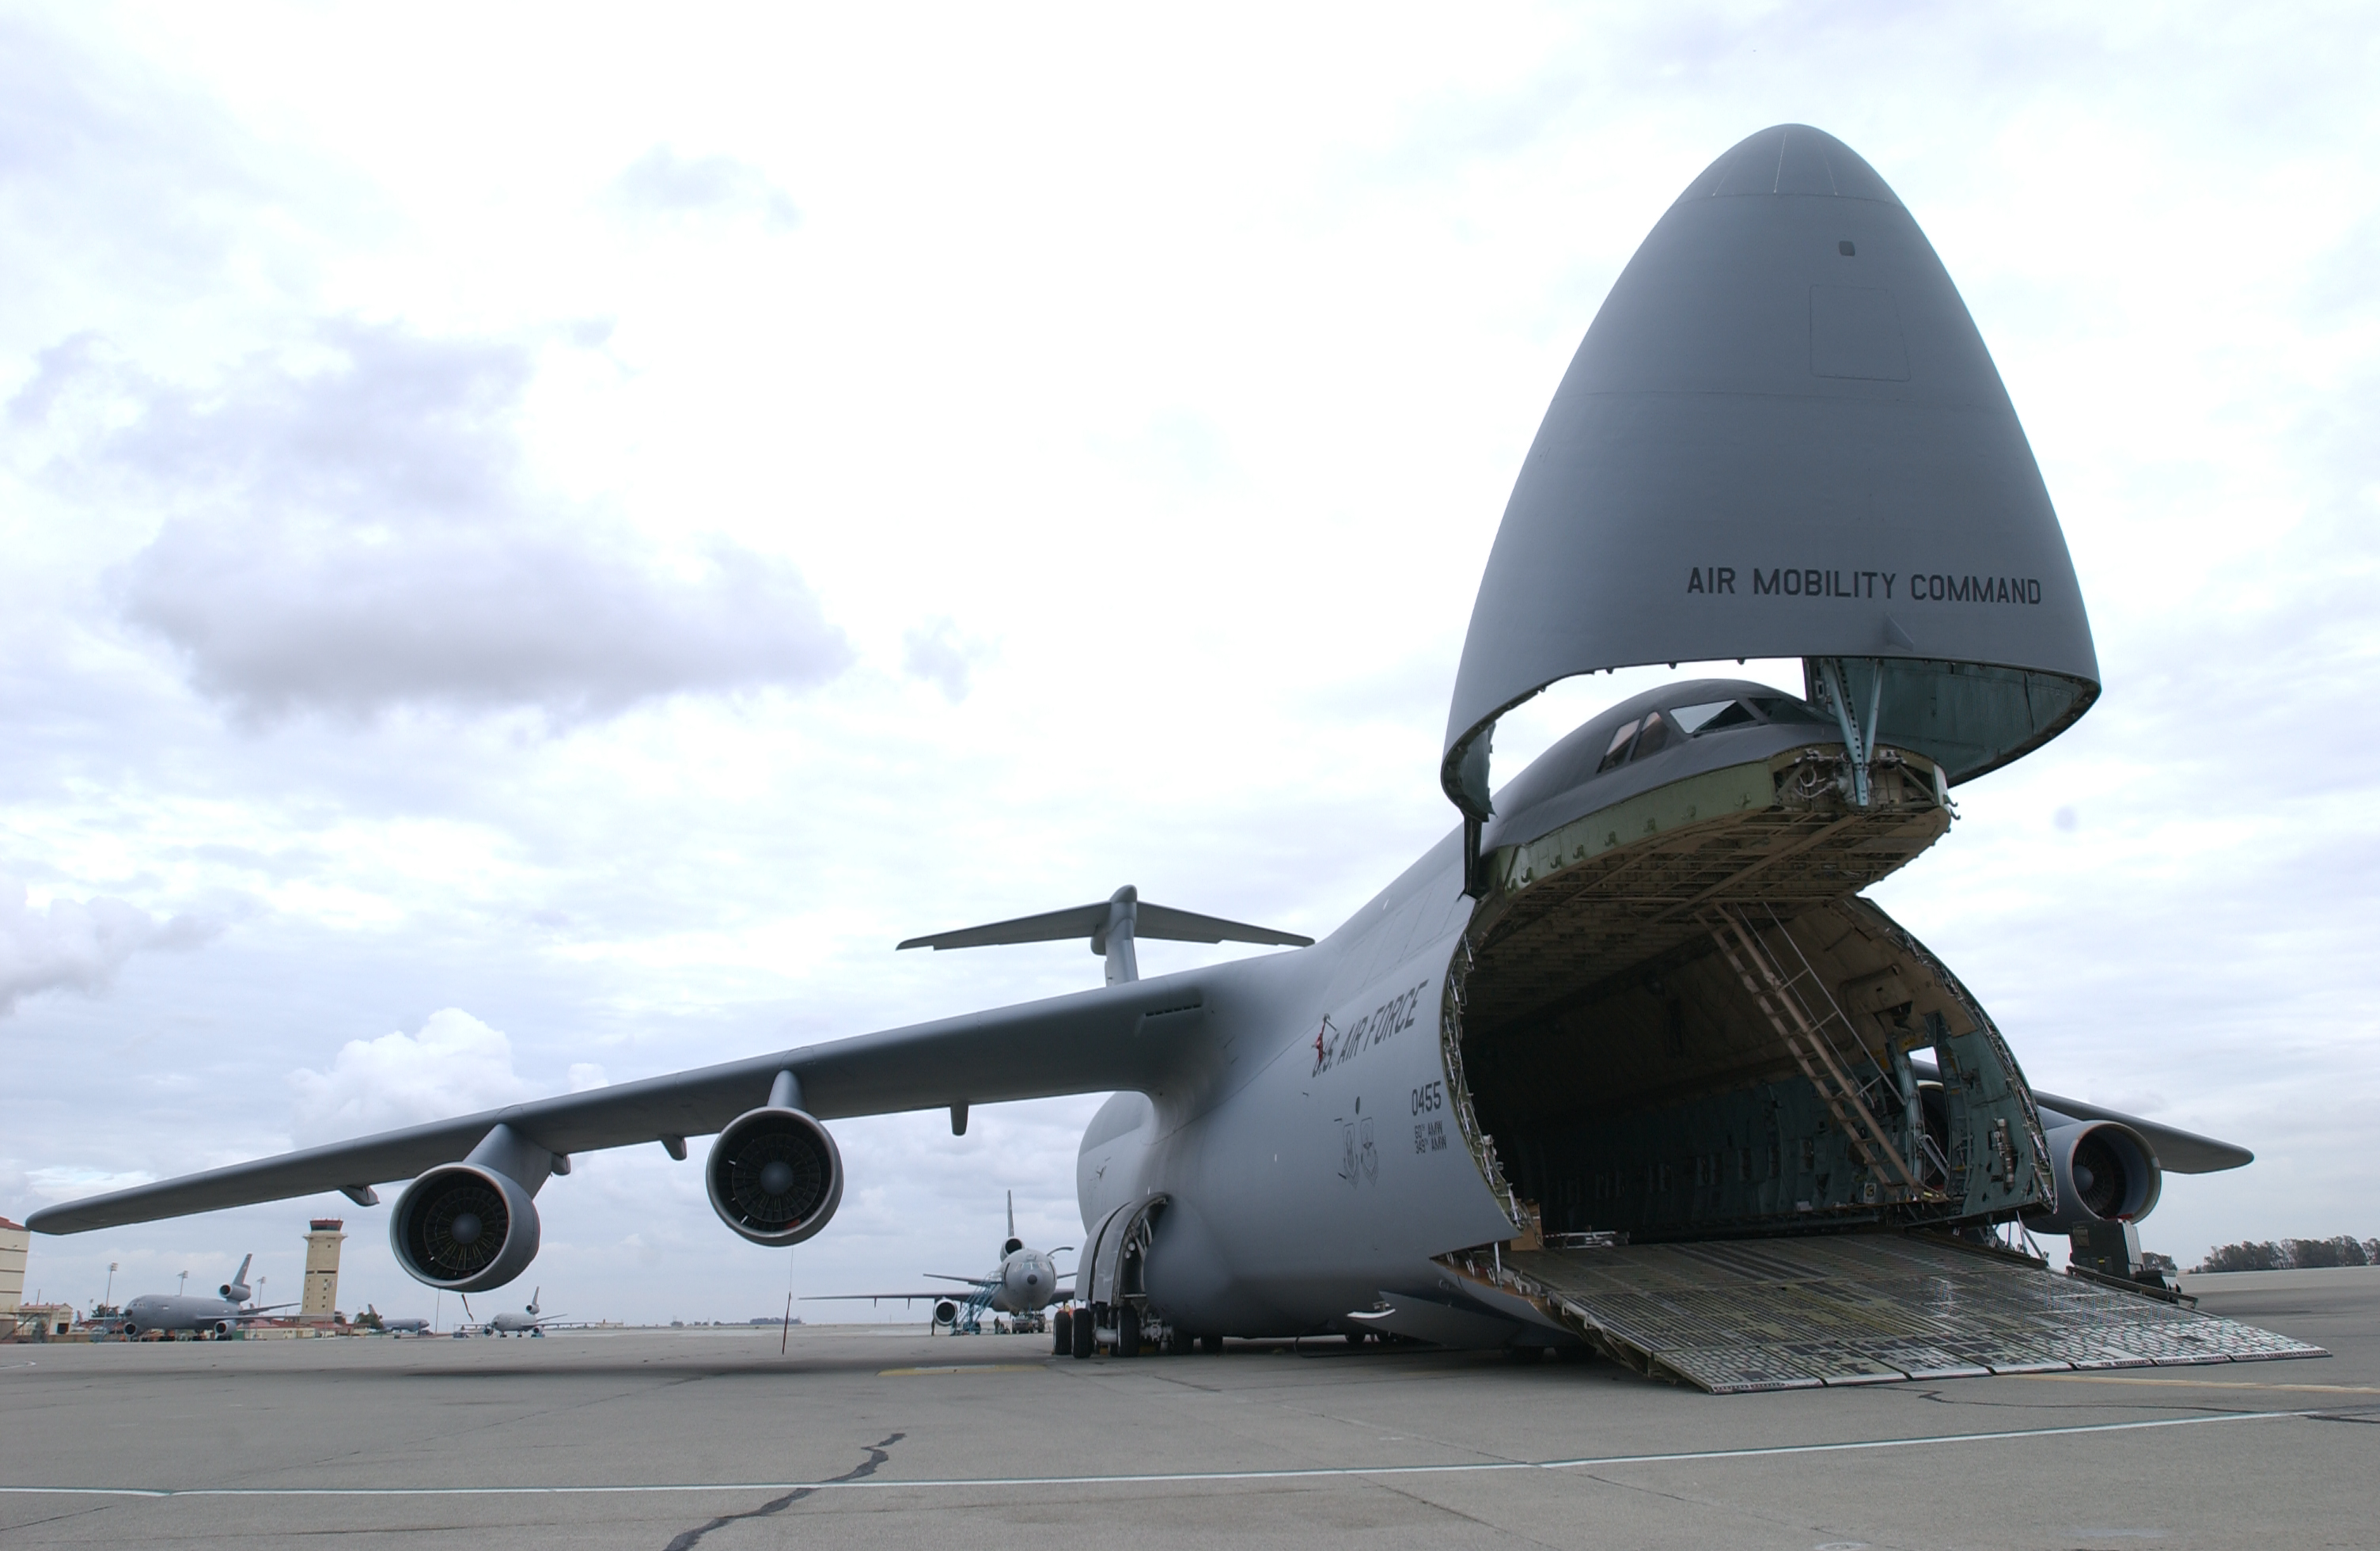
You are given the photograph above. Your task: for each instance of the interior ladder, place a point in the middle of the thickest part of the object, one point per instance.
(1826, 1066)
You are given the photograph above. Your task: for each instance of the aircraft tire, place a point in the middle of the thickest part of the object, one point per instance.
(1211, 1345)
(1062, 1337)
(1127, 1331)
(1086, 1333)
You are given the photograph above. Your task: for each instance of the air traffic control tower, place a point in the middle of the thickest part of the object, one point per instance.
(322, 1240)
(13, 1241)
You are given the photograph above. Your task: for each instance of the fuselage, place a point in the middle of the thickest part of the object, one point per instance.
(1027, 1283)
(1326, 1149)
(1297, 1189)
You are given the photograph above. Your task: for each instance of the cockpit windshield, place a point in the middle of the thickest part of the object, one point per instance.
(1691, 719)
(1784, 708)
(1717, 716)
(1618, 753)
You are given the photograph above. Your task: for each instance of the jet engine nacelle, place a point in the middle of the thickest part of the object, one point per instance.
(775, 1176)
(2106, 1172)
(463, 1228)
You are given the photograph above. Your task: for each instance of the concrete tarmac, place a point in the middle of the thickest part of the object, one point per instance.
(877, 1435)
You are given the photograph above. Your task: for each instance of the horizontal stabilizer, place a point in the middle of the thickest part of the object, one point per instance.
(1057, 926)
(1088, 920)
(1183, 925)
(1111, 926)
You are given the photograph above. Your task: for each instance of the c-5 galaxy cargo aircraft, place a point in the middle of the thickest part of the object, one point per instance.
(1627, 1060)
(221, 1315)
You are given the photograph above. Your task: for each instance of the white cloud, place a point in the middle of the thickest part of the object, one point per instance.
(75, 944)
(455, 1066)
(351, 530)
(662, 183)
(936, 653)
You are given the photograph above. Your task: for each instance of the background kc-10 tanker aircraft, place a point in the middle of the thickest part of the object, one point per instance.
(1645, 954)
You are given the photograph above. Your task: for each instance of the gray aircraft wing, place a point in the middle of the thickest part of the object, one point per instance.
(2178, 1151)
(1090, 1042)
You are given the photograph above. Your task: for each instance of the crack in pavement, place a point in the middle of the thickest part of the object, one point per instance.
(876, 1454)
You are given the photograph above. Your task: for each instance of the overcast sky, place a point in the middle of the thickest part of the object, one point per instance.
(533, 550)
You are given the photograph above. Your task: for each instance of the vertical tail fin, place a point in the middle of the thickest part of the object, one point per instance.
(237, 1288)
(1011, 1244)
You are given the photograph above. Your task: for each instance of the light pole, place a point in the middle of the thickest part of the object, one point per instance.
(109, 1296)
(181, 1284)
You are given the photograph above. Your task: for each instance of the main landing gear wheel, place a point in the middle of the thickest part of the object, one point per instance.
(1062, 1339)
(1177, 1344)
(1086, 1335)
(1127, 1331)
(1210, 1344)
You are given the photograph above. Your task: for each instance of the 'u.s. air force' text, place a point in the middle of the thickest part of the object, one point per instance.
(1922, 586)
(1333, 1045)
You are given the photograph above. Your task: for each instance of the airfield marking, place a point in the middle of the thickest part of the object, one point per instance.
(964, 1368)
(2201, 1383)
(1317, 1472)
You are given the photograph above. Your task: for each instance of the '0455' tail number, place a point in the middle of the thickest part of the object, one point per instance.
(1429, 1137)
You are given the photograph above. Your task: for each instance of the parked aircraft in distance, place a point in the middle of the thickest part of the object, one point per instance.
(398, 1327)
(528, 1322)
(1652, 1041)
(1025, 1283)
(220, 1315)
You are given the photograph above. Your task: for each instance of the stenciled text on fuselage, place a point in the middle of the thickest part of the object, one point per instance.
(1921, 586)
(1333, 1045)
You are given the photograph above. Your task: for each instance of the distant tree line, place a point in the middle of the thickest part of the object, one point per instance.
(2292, 1255)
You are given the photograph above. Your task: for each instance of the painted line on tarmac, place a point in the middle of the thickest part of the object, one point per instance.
(964, 1368)
(2202, 1384)
(1157, 1478)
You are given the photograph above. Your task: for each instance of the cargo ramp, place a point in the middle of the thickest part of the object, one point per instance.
(1732, 1316)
